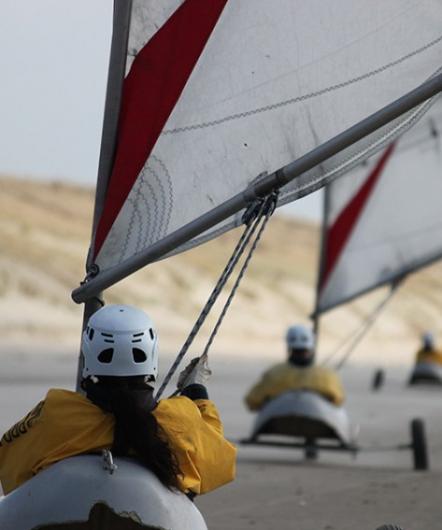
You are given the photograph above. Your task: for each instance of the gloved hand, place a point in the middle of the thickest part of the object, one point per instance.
(196, 372)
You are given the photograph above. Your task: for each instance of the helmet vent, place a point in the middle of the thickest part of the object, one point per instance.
(135, 335)
(139, 355)
(152, 336)
(91, 334)
(106, 356)
(110, 337)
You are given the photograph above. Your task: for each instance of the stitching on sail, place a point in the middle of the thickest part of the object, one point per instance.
(155, 228)
(130, 228)
(169, 185)
(304, 97)
(351, 160)
(139, 195)
(346, 164)
(135, 212)
(160, 198)
(156, 208)
(148, 215)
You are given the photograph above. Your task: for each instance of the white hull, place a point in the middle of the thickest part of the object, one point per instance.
(426, 372)
(287, 413)
(67, 491)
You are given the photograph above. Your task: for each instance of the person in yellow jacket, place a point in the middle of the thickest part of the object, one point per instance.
(428, 353)
(179, 439)
(298, 373)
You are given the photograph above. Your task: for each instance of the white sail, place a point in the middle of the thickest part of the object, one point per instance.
(384, 220)
(218, 93)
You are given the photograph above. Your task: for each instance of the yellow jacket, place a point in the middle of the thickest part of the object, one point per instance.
(286, 376)
(67, 424)
(429, 356)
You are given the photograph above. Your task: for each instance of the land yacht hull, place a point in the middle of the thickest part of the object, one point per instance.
(82, 493)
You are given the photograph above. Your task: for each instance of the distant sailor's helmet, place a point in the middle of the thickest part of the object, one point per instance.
(428, 340)
(300, 344)
(120, 340)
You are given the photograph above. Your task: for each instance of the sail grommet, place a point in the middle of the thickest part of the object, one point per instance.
(92, 271)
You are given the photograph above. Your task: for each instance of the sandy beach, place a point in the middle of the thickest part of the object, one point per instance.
(277, 488)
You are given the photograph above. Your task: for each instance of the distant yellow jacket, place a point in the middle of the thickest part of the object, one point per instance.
(286, 376)
(67, 424)
(429, 356)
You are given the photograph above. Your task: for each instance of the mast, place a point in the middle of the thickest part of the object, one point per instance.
(321, 259)
(117, 66)
(262, 188)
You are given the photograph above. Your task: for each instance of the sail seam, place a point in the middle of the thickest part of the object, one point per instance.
(304, 97)
(350, 161)
(345, 165)
(147, 209)
(169, 196)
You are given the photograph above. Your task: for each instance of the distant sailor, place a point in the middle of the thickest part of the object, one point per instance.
(298, 373)
(428, 353)
(179, 439)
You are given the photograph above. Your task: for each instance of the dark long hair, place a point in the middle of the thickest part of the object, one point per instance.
(130, 400)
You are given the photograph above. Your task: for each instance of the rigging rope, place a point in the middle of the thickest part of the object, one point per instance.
(262, 208)
(267, 215)
(360, 333)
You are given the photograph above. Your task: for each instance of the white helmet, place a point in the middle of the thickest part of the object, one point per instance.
(120, 340)
(300, 338)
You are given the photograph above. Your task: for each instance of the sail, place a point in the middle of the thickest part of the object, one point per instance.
(218, 94)
(384, 220)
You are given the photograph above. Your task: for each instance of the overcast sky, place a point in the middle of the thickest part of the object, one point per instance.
(53, 64)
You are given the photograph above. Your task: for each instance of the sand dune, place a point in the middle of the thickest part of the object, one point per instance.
(45, 229)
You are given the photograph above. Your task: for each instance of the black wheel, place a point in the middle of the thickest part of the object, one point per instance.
(419, 445)
(390, 527)
(311, 451)
(412, 380)
(378, 380)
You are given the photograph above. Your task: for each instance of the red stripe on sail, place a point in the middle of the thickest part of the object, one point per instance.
(151, 90)
(339, 233)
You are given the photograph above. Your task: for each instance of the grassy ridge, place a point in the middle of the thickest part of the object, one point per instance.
(45, 230)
